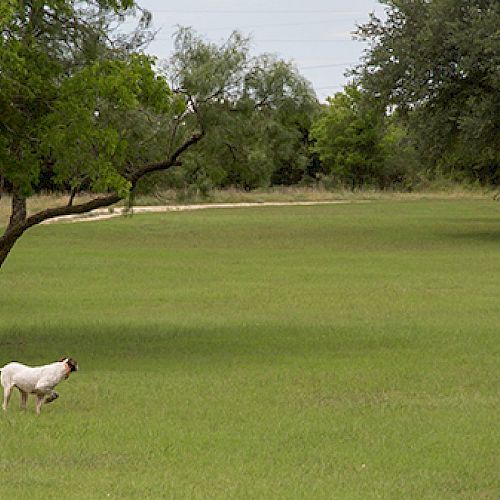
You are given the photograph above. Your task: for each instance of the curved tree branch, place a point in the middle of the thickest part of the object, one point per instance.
(19, 223)
(173, 161)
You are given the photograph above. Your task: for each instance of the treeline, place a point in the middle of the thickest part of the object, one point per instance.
(81, 110)
(424, 104)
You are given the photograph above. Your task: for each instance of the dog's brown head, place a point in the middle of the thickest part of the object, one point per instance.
(73, 365)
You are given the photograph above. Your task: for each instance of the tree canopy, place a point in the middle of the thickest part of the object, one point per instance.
(71, 96)
(358, 144)
(437, 63)
(253, 111)
(80, 105)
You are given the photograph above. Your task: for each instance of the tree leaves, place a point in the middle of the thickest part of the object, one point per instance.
(438, 63)
(72, 115)
(359, 145)
(90, 133)
(253, 110)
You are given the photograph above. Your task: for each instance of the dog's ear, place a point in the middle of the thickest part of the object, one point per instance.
(73, 364)
(63, 359)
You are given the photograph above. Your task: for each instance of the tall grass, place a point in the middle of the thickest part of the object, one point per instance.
(346, 351)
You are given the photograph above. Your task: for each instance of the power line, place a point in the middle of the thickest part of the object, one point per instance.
(272, 25)
(198, 11)
(299, 40)
(290, 40)
(328, 65)
(328, 91)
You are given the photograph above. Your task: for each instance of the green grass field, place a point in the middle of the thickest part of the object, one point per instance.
(345, 351)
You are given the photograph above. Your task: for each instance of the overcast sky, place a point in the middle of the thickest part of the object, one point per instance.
(315, 35)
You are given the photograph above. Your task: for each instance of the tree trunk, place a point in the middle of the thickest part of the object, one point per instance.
(15, 228)
(19, 222)
(6, 245)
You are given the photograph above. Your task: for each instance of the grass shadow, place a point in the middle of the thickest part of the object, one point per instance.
(125, 345)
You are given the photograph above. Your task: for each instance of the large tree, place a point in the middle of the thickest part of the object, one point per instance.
(79, 107)
(82, 108)
(254, 111)
(437, 62)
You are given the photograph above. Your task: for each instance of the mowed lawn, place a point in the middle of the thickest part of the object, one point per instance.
(343, 351)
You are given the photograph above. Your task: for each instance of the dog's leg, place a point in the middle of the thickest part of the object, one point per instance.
(7, 393)
(39, 401)
(43, 390)
(24, 399)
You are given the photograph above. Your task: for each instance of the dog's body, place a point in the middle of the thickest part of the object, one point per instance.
(38, 380)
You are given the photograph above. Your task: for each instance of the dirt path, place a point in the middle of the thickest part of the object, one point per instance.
(104, 213)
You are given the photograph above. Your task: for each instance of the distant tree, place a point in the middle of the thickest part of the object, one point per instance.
(401, 163)
(358, 144)
(254, 112)
(438, 63)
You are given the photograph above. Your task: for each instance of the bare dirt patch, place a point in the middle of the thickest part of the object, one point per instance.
(104, 213)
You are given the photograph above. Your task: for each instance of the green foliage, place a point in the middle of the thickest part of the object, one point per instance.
(438, 63)
(78, 111)
(75, 108)
(254, 111)
(359, 145)
(100, 136)
(6, 9)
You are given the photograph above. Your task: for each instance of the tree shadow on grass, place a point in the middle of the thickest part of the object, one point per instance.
(123, 345)
(482, 229)
(477, 236)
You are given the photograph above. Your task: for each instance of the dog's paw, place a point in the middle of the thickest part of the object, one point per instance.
(51, 398)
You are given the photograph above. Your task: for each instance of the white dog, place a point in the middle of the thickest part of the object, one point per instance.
(39, 380)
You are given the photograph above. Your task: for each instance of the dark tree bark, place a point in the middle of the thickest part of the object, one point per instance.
(19, 222)
(17, 219)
